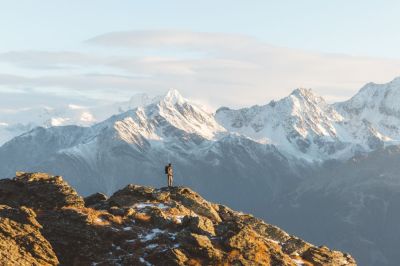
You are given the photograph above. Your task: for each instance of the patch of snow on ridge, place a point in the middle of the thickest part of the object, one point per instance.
(142, 260)
(58, 121)
(151, 235)
(76, 107)
(298, 262)
(144, 205)
(87, 117)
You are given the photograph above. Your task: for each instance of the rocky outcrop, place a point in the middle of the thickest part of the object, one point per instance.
(39, 191)
(46, 223)
(21, 242)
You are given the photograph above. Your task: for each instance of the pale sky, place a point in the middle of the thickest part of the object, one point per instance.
(233, 53)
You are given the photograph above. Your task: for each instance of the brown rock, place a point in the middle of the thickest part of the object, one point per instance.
(81, 235)
(161, 195)
(129, 212)
(131, 195)
(295, 245)
(199, 246)
(322, 256)
(194, 202)
(255, 250)
(21, 242)
(225, 213)
(95, 200)
(38, 191)
(199, 225)
(159, 218)
(116, 211)
(173, 256)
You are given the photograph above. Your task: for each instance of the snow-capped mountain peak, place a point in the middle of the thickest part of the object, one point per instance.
(301, 124)
(377, 105)
(173, 97)
(304, 92)
(305, 98)
(171, 119)
(376, 96)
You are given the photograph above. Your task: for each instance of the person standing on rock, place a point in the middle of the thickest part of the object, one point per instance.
(170, 174)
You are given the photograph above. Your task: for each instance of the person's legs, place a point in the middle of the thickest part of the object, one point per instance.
(169, 181)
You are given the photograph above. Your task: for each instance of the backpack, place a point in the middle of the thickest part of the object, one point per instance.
(166, 169)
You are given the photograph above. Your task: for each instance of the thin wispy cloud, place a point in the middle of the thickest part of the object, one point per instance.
(174, 39)
(216, 68)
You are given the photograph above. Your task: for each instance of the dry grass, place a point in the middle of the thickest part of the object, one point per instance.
(115, 219)
(234, 254)
(142, 217)
(194, 262)
(97, 217)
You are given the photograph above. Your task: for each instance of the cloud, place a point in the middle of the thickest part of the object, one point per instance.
(49, 60)
(216, 68)
(177, 40)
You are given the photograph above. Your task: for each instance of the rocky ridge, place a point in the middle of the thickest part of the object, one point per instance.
(43, 221)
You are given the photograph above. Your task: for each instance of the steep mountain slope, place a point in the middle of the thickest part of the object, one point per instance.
(142, 226)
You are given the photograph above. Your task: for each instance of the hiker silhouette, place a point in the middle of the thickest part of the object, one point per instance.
(170, 174)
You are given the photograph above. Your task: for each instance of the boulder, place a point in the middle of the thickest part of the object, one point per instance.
(158, 218)
(160, 195)
(256, 250)
(131, 195)
(199, 246)
(295, 245)
(174, 256)
(116, 211)
(199, 225)
(194, 202)
(95, 200)
(323, 256)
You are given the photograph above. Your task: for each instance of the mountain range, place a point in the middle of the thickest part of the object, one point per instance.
(14, 122)
(334, 167)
